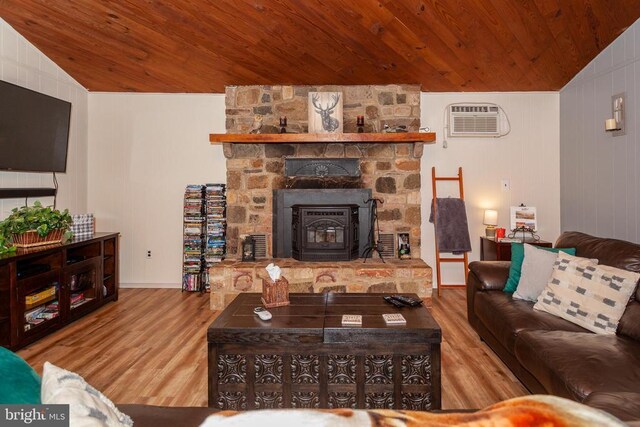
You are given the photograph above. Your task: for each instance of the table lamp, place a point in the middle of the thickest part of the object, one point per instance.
(490, 220)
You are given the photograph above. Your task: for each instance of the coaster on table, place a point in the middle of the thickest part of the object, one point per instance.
(394, 319)
(351, 320)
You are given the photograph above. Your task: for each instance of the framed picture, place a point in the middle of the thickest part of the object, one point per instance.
(325, 112)
(524, 216)
(404, 247)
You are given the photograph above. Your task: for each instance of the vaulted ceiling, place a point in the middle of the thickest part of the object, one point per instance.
(203, 45)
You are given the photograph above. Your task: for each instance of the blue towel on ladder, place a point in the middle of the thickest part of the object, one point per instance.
(452, 229)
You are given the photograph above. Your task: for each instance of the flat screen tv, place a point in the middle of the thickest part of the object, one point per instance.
(34, 130)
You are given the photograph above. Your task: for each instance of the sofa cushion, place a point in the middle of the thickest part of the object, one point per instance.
(19, 383)
(87, 406)
(616, 253)
(622, 405)
(537, 268)
(590, 295)
(574, 365)
(517, 258)
(506, 317)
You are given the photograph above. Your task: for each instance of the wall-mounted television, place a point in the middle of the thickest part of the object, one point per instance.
(34, 130)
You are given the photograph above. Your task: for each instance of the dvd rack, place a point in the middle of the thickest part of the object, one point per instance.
(193, 239)
(205, 228)
(215, 208)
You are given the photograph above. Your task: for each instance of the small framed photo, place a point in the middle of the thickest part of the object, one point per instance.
(325, 112)
(524, 216)
(404, 247)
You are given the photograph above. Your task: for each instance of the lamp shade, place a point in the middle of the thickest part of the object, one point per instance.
(490, 217)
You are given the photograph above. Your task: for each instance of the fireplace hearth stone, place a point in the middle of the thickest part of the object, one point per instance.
(231, 277)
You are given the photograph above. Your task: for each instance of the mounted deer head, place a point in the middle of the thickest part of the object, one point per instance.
(329, 124)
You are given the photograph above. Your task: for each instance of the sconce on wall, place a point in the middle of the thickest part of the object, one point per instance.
(615, 125)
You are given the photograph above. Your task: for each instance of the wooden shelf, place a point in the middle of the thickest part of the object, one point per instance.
(14, 335)
(19, 193)
(310, 138)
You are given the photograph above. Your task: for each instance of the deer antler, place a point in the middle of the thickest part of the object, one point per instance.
(335, 98)
(314, 100)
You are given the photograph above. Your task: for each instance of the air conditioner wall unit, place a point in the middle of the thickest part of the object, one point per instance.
(477, 120)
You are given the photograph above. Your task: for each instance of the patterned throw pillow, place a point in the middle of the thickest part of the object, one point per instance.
(87, 406)
(590, 295)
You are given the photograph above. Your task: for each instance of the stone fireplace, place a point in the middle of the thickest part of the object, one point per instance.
(267, 183)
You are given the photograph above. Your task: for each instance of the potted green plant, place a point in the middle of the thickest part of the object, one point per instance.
(36, 225)
(6, 246)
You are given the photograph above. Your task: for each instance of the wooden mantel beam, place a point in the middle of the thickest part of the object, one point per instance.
(310, 138)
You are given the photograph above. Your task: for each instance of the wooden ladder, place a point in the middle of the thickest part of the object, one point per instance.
(464, 259)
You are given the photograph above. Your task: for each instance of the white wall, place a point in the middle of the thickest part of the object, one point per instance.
(24, 65)
(528, 157)
(600, 178)
(145, 148)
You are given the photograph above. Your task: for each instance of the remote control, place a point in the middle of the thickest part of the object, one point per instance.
(394, 302)
(262, 313)
(413, 302)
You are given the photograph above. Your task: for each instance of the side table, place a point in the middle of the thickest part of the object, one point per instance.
(490, 250)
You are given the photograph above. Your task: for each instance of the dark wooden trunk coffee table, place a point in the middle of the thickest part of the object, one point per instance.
(305, 358)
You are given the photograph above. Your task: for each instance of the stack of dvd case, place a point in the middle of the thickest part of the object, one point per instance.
(193, 239)
(216, 225)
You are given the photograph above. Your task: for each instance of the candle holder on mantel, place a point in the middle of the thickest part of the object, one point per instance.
(360, 124)
(283, 124)
(275, 294)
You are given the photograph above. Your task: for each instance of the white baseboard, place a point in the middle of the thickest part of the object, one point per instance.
(151, 285)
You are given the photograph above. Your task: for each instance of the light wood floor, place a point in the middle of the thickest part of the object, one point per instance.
(150, 347)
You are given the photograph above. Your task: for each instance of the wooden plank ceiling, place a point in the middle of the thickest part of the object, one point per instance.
(203, 45)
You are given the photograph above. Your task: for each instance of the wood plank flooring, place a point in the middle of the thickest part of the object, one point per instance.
(150, 347)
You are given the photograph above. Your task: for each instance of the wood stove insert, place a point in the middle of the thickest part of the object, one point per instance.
(325, 233)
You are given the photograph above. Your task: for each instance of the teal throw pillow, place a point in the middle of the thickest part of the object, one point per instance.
(517, 256)
(20, 384)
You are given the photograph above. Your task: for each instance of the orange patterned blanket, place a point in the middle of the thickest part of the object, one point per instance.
(537, 410)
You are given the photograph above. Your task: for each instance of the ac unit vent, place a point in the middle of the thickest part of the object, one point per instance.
(474, 120)
(261, 245)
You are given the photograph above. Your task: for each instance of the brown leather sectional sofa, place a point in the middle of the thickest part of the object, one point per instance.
(551, 355)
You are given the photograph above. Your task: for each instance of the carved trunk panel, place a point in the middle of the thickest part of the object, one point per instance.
(341, 369)
(268, 369)
(305, 400)
(305, 369)
(349, 378)
(233, 401)
(416, 401)
(379, 400)
(269, 400)
(232, 369)
(342, 400)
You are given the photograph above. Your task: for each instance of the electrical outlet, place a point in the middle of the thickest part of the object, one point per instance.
(148, 254)
(505, 185)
